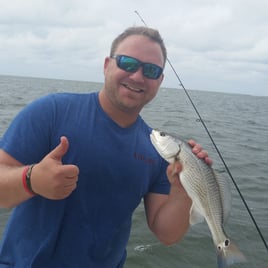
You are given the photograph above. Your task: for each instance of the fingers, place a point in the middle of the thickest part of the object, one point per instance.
(68, 171)
(199, 152)
(64, 181)
(54, 181)
(208, 161)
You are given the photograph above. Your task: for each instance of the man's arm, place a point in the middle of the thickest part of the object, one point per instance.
(168, 215)
(11, 187)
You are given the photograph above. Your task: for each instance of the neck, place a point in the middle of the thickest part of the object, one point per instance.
(121, 117)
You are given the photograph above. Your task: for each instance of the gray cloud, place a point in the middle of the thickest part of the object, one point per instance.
(214, 45)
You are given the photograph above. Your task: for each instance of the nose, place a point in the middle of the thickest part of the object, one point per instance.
(137, 76)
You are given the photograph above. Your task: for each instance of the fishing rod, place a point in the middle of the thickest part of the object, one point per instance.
(214, 144)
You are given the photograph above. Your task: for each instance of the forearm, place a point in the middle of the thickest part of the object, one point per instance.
(171, 221)
(12, 191)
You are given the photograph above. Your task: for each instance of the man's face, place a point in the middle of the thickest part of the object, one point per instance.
(131, 91)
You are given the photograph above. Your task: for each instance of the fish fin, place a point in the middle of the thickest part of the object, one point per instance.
(228, 253)
(195, 216)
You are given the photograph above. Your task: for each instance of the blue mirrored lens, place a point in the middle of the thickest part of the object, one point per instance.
(128, 64)
(151, 71)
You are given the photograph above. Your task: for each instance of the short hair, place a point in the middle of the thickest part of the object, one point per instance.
(152, 34)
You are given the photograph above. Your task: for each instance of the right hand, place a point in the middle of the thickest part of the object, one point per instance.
(50, 178)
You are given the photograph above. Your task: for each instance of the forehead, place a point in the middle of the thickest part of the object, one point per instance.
(142, 48)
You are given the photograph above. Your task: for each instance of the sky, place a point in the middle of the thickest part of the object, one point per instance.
(214, 45)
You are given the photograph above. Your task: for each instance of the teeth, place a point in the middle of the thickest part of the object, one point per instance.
(133, 89)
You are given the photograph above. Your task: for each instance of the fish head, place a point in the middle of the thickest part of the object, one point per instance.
(166, 145)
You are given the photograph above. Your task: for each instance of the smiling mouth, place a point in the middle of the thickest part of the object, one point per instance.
(137, 90)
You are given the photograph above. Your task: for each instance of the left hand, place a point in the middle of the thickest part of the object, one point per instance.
(200, 152)
(174, 169)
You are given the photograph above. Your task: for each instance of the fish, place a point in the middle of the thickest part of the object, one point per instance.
(209, 192)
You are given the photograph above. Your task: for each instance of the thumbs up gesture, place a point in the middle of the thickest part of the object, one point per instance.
(50, 178)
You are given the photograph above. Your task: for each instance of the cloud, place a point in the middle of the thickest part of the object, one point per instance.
(215, 45)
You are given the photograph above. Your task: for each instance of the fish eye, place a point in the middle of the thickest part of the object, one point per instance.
(163, 134)
(226, 243)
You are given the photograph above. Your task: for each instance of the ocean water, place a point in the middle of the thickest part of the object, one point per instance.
(239, 127)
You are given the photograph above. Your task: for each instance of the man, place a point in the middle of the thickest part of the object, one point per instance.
(94, 164)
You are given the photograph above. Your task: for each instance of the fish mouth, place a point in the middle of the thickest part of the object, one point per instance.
(131, 88)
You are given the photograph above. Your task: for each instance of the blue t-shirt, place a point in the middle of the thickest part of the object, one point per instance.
(118, 167)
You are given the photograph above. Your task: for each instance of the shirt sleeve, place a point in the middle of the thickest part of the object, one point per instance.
(27, 139)
(161, 184)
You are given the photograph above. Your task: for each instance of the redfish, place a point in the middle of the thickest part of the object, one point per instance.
(210, 194)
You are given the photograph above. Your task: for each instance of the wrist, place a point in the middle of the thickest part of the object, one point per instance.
(26, 179)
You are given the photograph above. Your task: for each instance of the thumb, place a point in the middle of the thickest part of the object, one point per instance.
(173, 173)
(60, 150)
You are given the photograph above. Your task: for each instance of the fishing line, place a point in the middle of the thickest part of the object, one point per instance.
(214, 144)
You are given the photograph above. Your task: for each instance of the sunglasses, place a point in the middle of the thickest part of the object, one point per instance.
(131, 65)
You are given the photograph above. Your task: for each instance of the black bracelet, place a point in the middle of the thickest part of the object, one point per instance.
(28, 178)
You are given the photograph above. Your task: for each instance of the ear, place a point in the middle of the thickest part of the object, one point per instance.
(162, 77)
(106, 63)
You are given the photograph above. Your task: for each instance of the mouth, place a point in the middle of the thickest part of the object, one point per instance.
(133, 89)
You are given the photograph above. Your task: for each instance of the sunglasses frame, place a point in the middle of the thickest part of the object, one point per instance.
(157, 69)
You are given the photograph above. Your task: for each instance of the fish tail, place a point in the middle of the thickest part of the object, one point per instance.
(229, 254)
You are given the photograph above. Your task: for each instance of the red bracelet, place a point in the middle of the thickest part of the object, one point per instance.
(26, 179)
